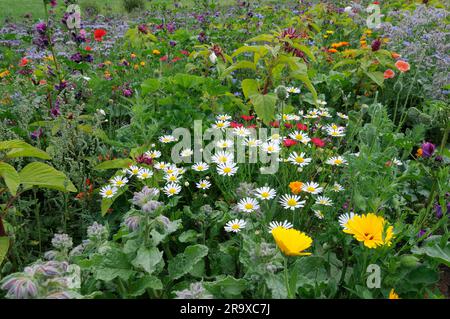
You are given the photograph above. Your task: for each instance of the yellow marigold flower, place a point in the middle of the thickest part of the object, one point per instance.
(330, 32)
(296, 187)
(108, 63)
(419, 152)
(393, 294)
(156, 52)
(136, 66)
(291, 241)
(386, 40)
(142, 63)
(49, 58)
(369, 229)
(133, 56)
(349, 53)
(4, 74)
(368, 32)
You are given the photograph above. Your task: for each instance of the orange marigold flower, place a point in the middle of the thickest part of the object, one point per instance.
(296, 187)
(402, 66)
(419, 152)
(395, 55)
(332, 50)
(156, 52)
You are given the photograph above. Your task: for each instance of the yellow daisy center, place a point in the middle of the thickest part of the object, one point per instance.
(235, 226)
(227, 170)
(292, 202)
(248, 206)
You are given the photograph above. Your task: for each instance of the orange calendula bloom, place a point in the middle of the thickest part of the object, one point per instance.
(370, 229)
(296, 187)
(156, 52)
(393, 294)
(402, 66)
(332, 50)
(291, 241)
(419, 152)
(4, 74)
(395, 55)
(389, 74)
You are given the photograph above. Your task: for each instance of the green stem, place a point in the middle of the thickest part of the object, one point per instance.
(286, 277)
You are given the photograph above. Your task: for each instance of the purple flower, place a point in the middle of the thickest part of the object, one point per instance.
(61, 86)
(427, 149)
(41, 27)
(421, 233)
(55, 111)
(438, 210)
(172, 43)
(53, 3)
(76, 57)
(127, 92)
(376, 44)
(36, 134)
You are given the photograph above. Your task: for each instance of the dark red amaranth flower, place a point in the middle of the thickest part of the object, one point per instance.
(275, 124)
(144, 159)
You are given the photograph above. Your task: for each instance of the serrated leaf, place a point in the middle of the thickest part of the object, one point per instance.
(43, 175)
(11, 177)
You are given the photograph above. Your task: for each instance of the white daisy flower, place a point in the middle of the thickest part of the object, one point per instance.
(276, 138)
(270, 147)
(324, 113)
(288, 117)
(344, 218)
(200, 167)
(108, 191)
(160, 165)
(227, 169)
(318, 214)
(321, 102)
(224, 143)
(323, 200)
(203, 184)
(221, 125)
(153, 154)
(133, 170)
(119, 181)
(167, 139)
(336, 161)
(171, 169)
(275, 224)
(337, 187)
(300, 136)
(222, 157)
(172, 178)
(144, 173)
(251, 142)
(342, 115)
(223, 117)
(291, 202)
(265, 193)
(242, 131)
(312, 188)
(248, 205)
(293, 90)
(235, 225)
(186, 152)
(299, 159)
(172, 189)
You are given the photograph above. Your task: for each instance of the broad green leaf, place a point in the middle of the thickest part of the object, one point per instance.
(239, 65)
(42, 175)
(259, 49)
(148, 259)
(344, 62)
(150, 86)
(262, 38)
(377, 77)
(440, 254)
(21, 149)
(249, 87)
(184, 262)
(264, 106)
(11, 177)
(277, 286)
(423, 275)
(305, 50)
(4, 246)
(114, 164)
(114, 263)
(139, 287)
(227, 287)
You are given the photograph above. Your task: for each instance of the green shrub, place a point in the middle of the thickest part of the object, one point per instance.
(131, 5)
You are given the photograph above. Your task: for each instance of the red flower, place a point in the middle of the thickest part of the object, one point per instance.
(164, 58)
(175, 59)
(402, 66)
(247, 117)
(318, 142)
(288, 125)
(235, 124)
(88, 48)
(23, 62)
(389, 74)
(252, 126)
(302, 127)
(184, 52)
(99, 34)
(289, 142)
(274, 124)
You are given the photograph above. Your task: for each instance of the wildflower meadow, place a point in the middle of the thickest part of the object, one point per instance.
(224, 149)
